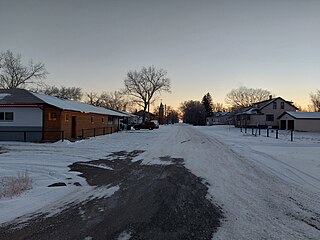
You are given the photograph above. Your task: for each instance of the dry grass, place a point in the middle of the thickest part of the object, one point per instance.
(14, 185)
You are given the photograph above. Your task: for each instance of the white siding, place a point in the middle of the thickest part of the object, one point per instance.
(23, 117)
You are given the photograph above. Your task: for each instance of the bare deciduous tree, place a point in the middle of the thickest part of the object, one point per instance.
(114, 100)
(143, 85)
(315, 100)
(14, 74)
(71, 93)
(218, 107)
(93, 98)
(245, 97)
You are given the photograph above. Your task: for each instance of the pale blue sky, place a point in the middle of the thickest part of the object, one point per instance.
(206, 46)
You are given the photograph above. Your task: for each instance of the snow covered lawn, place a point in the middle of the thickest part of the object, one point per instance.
(268, 188)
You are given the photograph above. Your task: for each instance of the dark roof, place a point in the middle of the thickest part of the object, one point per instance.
(263, 104)
(18, 96)
(258, 106)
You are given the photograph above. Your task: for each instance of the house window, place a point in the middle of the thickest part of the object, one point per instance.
(270, 117)
(282, 105)
(52, 116)
(102, 119)
(66, 117)
(92, 119)
(274, 105)
(248, 117)
(6, 116)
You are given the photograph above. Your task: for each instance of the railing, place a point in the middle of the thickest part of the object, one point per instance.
(41, 136)
(92, 132)
(35, 138)
(257, 131)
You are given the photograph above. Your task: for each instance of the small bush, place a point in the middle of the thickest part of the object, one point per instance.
(14, 185)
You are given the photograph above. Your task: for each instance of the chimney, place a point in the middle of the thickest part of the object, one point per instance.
(270, 97)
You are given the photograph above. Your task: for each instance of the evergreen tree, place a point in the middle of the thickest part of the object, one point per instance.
(207, 103)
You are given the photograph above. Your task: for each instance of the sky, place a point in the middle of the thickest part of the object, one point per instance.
(205, 46)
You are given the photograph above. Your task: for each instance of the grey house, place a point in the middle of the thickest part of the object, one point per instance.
(264, 114)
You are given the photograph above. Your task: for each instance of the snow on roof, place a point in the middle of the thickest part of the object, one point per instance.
(3, 95)
(251, 111)
(76, 106)
(305, 115)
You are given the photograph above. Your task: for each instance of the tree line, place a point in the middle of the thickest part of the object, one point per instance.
(141, 88)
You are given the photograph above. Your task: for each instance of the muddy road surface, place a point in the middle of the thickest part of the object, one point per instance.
(164, 201)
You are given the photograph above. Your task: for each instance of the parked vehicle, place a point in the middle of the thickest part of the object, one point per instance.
(146, 125)
(156, 123)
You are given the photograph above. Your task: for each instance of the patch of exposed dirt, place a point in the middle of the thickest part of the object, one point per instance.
(153, 202)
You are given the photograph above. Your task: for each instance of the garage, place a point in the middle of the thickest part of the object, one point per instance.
(300, 121)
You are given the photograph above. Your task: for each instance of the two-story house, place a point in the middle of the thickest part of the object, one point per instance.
(264, 114)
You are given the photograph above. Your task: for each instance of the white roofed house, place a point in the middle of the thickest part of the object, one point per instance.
(263, 114)
(29, 116)
(219, 118)
(300, 121)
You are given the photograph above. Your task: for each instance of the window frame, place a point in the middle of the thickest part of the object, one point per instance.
(274, 105)
(270, 116)
(5, 117)
(52, 116)
(66, 117)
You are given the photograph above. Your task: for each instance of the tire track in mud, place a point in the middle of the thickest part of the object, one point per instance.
(153, 202)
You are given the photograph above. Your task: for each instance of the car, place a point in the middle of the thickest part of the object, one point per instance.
(156, 123)
(146, 125)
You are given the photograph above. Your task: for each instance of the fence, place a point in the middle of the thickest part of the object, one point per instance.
(267, 132)
(92, 132)
(43, 136)
(30, 136)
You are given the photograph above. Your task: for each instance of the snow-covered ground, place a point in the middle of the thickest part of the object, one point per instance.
(268, 188)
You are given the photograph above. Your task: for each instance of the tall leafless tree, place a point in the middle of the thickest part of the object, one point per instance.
(70, 93)
(14, 74)
(143, 85)
(245, 97)
(315, 100)
(114, 100)
(93, 98)
(218, 107)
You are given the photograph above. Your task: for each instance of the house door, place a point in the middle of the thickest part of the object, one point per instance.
(283, 125)
(73, 127)
(290, 124)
